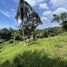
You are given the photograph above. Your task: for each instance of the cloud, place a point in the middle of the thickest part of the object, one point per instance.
(32, 2)
(59, 3)
(43, 19)
(59, 10)
(43, 6)
(9, 14)
(47, 13)
(40, 1)
(5, 13)
(35, 2)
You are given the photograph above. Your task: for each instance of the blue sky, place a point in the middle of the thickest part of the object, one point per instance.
(45, 8)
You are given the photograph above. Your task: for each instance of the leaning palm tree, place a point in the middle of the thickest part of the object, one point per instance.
(23, 12)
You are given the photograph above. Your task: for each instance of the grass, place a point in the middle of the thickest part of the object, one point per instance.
(54, 49)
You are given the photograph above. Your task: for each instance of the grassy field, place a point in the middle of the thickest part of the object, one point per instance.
(47, 52)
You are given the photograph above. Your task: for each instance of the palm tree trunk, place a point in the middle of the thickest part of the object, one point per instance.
(22, 18)
(23, 33)
(33, 31)
(33, 35)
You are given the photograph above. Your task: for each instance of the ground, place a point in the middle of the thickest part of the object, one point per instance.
(53, 47)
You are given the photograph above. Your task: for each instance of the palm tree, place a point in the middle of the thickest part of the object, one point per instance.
(61, 18)
(23, 12)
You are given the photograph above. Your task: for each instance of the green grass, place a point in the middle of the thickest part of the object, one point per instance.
(53, 47)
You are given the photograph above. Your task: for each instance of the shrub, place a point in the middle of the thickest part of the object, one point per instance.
(11, 41)
(64, 25)
(5, 34)
(18, 37)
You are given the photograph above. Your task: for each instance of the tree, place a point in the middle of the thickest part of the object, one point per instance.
(23, 12)
(5, 34)
(62, 19)
(30, 19)
(35, 21)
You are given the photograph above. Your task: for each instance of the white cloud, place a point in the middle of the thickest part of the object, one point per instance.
(32, 2)
(43, 19)
(40, 1)
(5, 13)
(35, 2)
(9, 14)
(43, 6)
(47, 13)
(59, 3)
(59, 10)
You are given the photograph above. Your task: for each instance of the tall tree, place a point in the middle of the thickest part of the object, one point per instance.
(61, 18)
(23, 12)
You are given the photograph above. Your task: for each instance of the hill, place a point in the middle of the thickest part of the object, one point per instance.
(46, 52)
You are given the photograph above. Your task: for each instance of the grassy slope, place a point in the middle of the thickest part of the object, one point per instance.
(53, 47)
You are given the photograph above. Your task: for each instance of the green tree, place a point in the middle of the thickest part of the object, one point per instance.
(61, 18)
(35, 21)
(5, 34)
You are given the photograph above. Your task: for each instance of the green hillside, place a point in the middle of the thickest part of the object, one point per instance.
(46, 52)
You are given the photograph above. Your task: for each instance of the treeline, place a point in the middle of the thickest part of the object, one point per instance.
(49, 32)
(7, 34)
(10, 33)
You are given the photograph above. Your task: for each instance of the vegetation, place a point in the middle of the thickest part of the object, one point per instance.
(62, 19)
(49, 52)
(29, 18)
(8, 34)
(49, 48)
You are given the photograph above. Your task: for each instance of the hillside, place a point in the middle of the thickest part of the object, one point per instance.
(47, 52)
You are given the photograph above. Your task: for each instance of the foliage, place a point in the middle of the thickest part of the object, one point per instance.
(47, 52)
(29, 19)
(64, 25)
(23, 12)
(5, 34)
(49, 32)
(62, 19)
(18, 37)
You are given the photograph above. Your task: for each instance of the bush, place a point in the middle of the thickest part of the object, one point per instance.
(64, 25)
(11, 41)
(18, 37)
(52, 34)
(5, 34)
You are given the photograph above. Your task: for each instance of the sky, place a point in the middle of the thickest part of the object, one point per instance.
(45, 9)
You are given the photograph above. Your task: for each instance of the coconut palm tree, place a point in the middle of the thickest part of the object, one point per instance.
(23, 12)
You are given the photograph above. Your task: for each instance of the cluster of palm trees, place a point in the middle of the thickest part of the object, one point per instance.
(29, 18)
